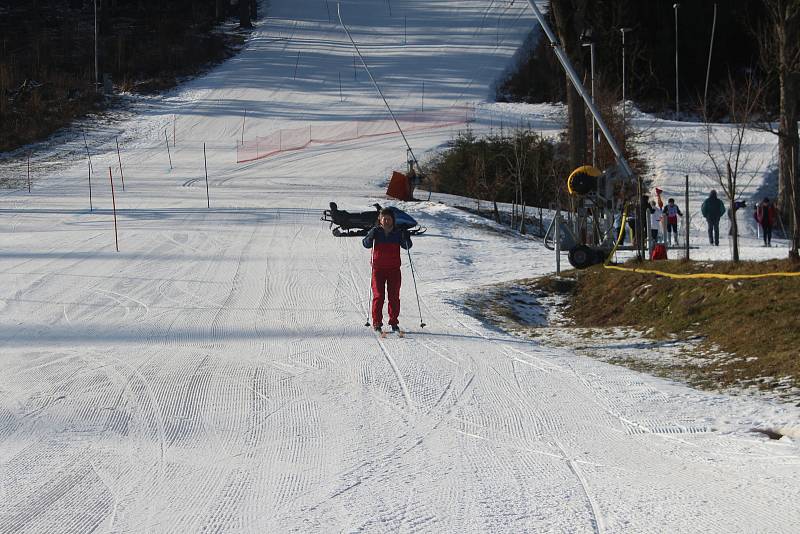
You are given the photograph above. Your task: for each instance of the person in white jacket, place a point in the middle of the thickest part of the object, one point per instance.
(656, 216)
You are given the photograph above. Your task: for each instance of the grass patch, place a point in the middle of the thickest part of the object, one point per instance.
(756, 322)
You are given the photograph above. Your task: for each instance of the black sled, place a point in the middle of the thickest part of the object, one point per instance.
(349, 224)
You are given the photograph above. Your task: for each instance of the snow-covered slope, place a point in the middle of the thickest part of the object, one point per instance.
(215, 373)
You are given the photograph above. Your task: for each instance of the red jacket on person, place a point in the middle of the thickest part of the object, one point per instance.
(766, 214)
(386, 249)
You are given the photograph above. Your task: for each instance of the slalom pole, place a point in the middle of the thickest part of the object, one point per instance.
(168, 154)
(414, 277)
(205, 163)
(114, 204)
(89, 157)
(369, 73)
(119, 158)
(244, 118)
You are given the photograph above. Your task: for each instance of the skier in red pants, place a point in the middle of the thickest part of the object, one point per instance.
(385, 240)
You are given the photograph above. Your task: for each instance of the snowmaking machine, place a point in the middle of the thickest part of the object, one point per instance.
(591, 233)
(604, 200)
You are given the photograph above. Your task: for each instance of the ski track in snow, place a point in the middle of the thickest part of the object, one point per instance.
(216, 374)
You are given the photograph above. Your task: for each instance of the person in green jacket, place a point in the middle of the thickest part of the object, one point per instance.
(713, 209)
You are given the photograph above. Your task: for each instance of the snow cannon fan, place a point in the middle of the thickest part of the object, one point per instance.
(583, 180)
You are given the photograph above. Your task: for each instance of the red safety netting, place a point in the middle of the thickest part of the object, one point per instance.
(298, 138)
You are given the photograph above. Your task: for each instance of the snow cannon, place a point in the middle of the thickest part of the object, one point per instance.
(589, 235)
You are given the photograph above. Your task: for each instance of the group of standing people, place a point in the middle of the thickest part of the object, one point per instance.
(669, 216)
(713, 209)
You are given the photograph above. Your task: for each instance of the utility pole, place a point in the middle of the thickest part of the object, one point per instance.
(96, 69)
(677, 96)
(710, 49)
(623, 31)
(587, 40)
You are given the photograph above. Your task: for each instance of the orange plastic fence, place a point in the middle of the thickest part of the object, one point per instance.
(288, 139)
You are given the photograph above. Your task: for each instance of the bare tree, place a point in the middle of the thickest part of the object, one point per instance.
(780, 50)
(519, 169)
(725, 145)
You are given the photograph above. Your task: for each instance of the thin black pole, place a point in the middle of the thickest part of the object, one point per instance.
(114, 204)
(205, 163)
(168, 153)
(296, 64)
(414, 277)
(89, 157)
(119, 158)
(371, 267)
(341, 98)
(244, 118)
(710, 50)
(686, 217)
(29, 172)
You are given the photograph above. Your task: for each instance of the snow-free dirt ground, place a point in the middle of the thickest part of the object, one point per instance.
(215, 373)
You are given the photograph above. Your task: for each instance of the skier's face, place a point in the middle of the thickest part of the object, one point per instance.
(386, 222)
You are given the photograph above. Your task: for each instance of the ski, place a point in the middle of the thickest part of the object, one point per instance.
(383, 334)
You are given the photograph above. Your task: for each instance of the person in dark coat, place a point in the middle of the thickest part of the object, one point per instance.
(766, 217)
(386, 240)
(713, 209)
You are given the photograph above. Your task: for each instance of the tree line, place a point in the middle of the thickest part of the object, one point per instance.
(51, 72)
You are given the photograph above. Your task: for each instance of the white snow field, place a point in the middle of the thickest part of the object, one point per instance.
(215, 374)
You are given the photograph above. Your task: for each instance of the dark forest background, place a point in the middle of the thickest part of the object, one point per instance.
(47, 54)
(650, 53)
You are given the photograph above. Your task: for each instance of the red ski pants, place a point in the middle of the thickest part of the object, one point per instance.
(388, 280)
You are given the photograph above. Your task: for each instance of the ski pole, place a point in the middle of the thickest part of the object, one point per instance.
(371, 265)
(414, 277)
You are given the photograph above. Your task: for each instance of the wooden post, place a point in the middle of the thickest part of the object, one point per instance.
(168, 154)
(119, 158)
(686, 217)
(205, 163)
(114, 204)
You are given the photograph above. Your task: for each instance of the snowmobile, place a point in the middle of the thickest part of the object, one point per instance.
(358, 224)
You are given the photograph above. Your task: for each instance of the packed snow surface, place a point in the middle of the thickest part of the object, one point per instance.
(215, 374)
